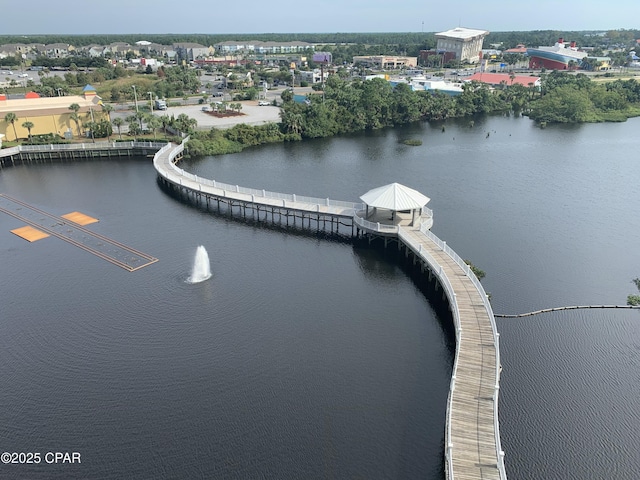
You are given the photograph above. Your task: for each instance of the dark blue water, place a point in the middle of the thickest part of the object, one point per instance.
(307, 358)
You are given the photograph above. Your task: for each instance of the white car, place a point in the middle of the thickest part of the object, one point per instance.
(264, 103)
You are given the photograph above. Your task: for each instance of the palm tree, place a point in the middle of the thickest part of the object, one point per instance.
(76, 118)
(134, 129)
(11, 118)
(28, 125)
(165, 121)
(153, 123)
(118, 122)
(107, 109)
(139, 116)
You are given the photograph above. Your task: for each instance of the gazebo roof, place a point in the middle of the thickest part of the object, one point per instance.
(395, 197)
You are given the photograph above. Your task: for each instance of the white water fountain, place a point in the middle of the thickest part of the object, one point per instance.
(201, 266)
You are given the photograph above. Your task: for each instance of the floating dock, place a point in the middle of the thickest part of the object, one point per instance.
(70, 228)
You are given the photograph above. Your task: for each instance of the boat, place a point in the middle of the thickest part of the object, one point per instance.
(558, 57)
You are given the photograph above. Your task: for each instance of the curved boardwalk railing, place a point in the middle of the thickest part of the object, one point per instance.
(472, 436)
(498, 453)
(165, 163)
(59, 147)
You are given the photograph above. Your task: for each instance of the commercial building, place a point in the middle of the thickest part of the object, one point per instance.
(466, 43)
(49, 114)
(385, 62)
(504, 79)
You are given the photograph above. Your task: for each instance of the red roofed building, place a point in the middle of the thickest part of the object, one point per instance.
(519, 49)
(496, 79)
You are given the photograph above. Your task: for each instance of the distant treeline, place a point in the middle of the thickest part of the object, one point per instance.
(353, 106)
(426, 39)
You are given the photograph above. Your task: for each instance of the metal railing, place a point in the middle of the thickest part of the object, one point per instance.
(455, 312)
(58, 147)
(372, 226)
(256, 194)
(358, 211)
(496, 338)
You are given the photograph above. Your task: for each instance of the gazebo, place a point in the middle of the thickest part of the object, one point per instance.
(395, 198)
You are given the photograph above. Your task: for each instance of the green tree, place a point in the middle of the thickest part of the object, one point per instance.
(153, 123)
(186, 124)
(118, 122)
(76, 118)
(28, 125)
(75, 108)
(134, 129)
(634, 299)
(11, 118)
(107, 109)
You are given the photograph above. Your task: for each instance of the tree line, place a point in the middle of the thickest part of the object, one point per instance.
(509, 39)
(352, 106)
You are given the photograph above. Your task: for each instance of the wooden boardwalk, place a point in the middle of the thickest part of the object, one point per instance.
(472, 438)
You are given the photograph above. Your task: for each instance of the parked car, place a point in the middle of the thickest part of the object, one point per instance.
(264, 103)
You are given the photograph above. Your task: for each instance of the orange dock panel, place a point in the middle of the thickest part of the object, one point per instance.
(80, 218)
(29, 233)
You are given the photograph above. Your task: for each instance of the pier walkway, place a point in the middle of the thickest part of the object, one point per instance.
(473, 448)
(472, 437)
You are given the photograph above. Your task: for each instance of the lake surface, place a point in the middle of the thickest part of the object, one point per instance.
(308, 358)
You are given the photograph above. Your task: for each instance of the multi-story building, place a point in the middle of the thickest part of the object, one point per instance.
(466, 43)
(256, 46)
(385, 62)
(191, 51)
(58, 50)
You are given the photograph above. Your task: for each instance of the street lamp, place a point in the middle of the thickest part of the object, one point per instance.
(135, 97)
(93, 125)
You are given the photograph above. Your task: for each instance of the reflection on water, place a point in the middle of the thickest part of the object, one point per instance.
(309, 358)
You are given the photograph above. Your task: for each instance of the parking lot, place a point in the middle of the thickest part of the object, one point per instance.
(253, 114)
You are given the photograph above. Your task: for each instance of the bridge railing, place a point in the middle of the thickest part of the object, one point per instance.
(372, 226)
(455, 312)
(6, 152)
(496, 338)
(254, 192)
(57, 147)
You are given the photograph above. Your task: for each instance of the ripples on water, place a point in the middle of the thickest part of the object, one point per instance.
(303, 358)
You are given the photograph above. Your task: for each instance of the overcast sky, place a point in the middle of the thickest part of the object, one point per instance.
(288, 16)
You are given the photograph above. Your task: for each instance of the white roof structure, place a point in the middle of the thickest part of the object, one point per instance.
(395, 197)
(462, 33)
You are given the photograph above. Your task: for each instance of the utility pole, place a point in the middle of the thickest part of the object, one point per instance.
(135, 97)
(151, 100)
(93, 126)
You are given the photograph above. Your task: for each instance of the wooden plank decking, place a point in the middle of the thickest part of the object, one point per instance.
(471, 413)
(472, 448)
